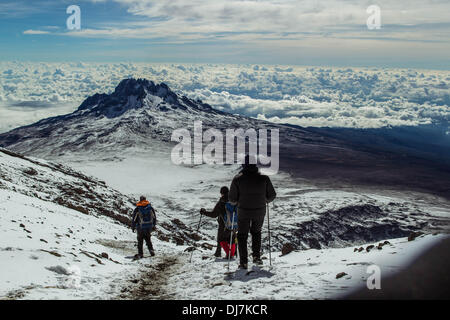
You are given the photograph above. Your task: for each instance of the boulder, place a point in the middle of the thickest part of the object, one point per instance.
(287, 248)
(413, 235)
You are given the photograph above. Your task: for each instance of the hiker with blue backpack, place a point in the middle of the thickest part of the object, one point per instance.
(143, 221)
(226, 235)
(251, 192)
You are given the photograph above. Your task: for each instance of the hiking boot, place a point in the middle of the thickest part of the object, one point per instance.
(243, 266)
(218, 253)
(138, 256)
(152, 253)
(257, 261)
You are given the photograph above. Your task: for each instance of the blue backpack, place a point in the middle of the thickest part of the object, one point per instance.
(230, 217)
(146, 217)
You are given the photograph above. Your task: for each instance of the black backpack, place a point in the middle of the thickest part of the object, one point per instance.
(146, 217)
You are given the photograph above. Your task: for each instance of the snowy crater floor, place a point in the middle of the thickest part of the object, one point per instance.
(52, 251)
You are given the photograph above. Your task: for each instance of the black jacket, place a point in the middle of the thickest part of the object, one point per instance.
(251, 191)
(219, 212)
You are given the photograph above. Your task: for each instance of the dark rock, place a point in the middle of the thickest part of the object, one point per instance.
(30, 172)
(105, 255)
(360, 249)
(370, 248)
(194, 236)
(287, 248)
(413, 235)
(22, 225)
(54, 253)
(207, 246)
(340, 275)
(352, 224)
(43, 240)
(314, 243)
(59, 270)
(178, 240)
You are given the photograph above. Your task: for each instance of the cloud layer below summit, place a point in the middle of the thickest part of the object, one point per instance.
(307, 96)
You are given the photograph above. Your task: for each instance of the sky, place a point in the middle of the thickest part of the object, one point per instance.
(310, 63)
(412, 34)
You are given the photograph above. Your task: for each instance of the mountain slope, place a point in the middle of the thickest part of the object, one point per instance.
(140, 116)
(125, 137)
(61, 185)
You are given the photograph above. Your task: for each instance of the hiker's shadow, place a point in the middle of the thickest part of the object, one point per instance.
(247, 275)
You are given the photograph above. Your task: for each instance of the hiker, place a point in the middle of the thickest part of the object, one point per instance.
(143, 221)
(223, 234)
(250, 191)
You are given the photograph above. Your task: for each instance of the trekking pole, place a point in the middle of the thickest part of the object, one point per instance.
(198, 228)
(268, 227)
(231, 239)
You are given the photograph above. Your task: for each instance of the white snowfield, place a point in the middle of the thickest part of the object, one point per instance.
(306, 274)
(49, 251)
(57, 254)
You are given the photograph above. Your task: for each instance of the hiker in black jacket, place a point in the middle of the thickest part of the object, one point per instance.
(143, 228)
(250, 191)
(223, 234)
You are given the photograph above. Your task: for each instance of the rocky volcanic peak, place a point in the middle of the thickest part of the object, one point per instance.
(135, 94)
(137, 111)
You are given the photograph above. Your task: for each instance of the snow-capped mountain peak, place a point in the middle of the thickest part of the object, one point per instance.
(137, 111)
(138, 93)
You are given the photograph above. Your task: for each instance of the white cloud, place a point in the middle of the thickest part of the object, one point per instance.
(30, 31)
(307, 96)
(275, 20)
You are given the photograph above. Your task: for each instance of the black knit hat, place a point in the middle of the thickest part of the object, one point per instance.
(224, 190)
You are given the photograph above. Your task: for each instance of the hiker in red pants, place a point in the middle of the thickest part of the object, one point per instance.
(223, 234)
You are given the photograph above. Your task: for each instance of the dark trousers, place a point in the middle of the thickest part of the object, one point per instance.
(254, 225)
(218, 248)
(141, 236)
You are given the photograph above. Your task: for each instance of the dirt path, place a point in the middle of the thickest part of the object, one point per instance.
(151, 282)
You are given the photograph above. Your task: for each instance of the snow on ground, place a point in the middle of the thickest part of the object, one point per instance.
(51, 252)
(180, 192)
(303, 274)
(306, 274)
(57, 252)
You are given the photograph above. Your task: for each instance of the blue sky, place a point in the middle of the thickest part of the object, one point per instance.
(413, 34)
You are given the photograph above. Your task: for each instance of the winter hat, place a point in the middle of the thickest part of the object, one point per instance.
(224, 190)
